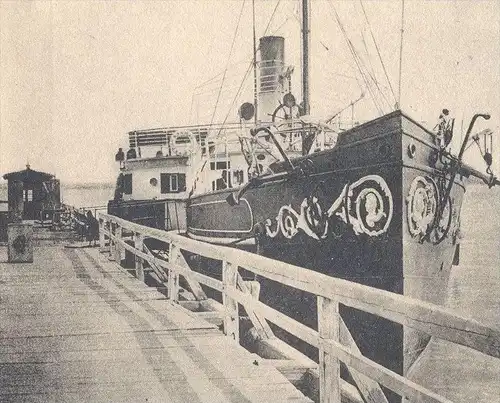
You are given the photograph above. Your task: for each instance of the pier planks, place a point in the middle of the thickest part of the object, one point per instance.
(74, 327)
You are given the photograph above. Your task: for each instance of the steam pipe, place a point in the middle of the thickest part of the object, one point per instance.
(277, 144)
(485, 116)
(234, 197)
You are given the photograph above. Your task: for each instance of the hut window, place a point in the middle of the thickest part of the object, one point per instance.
(28, 195)
(127, 184)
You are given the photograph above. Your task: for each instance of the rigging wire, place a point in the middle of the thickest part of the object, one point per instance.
(192, 104)
(356, 58)
(378, 51)
(248, 69)
(228, 59)
(212, 81)
(371, 72)
(281, 26)
(240, 87)
(212, 91)
(272, 17)
(370, 76)
(254, 60)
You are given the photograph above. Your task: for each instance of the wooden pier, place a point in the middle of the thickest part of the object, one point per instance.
(76, 326)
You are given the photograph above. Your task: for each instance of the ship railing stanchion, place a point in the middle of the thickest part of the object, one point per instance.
(173, 276)
(139, 263)
(329, 365)
(231, 317)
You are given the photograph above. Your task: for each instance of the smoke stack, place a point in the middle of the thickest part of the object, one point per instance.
(271, 68)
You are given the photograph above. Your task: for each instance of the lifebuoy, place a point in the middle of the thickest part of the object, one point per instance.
(182, 133)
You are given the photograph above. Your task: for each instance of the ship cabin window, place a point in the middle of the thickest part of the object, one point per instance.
(127, 184)
(173, 183)
(238, 177)
(220, 165)
(223, 182)
(201, 139)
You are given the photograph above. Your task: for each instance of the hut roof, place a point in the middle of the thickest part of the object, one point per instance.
(28, 175)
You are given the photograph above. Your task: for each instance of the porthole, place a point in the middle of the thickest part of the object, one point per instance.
(412, 149)
(153, 182)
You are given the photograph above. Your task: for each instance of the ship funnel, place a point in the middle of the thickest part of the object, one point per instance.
(272, 81)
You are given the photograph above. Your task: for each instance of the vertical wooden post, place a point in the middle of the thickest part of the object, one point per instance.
(173, 276)
(231, 317)
(118, 247)
(329, 366)
(102, 242)
(139, 264)
(112, 243)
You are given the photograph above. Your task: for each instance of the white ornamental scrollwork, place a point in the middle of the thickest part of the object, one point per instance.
(312, 220)
(423, 206)
(422, 202)
(373, 206)
(366, 205)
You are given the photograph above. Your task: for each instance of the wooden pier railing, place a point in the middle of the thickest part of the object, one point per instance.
(332, 339)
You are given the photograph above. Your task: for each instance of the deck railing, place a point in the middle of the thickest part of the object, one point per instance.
(332, 339)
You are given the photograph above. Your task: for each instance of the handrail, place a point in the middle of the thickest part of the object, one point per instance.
(168, 129)
(431, 319)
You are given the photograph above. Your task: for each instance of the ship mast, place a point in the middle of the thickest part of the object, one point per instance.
(254, 63)
(398, 104)
(306, 42)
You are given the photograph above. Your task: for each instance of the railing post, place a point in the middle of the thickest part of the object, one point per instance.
(231, 316)
(112, 243)
(118, 248)
(329, 366)
(102, 242)
(139, 264)
(173, 276)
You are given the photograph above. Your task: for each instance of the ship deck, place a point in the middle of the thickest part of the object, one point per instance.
(75, 327)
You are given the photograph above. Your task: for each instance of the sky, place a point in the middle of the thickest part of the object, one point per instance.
(77, 75)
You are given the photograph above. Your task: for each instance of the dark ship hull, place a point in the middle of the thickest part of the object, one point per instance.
(367, 211)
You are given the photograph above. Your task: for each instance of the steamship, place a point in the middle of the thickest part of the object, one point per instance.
(378, 204)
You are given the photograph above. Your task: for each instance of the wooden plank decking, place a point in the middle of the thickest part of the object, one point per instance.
(75, 327)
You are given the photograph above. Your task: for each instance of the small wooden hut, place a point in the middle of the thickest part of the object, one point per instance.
(32, 192)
